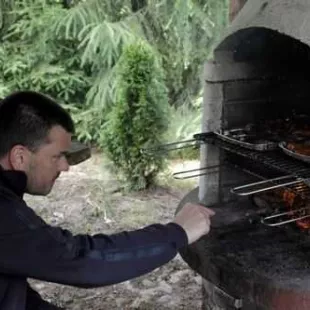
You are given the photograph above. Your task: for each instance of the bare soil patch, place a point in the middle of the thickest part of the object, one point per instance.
(86, 200)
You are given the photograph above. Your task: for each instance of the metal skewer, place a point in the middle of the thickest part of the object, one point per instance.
(178, 175)
(279, 215)
(250, 189)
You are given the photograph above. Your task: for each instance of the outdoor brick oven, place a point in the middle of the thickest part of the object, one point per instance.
(257, 102)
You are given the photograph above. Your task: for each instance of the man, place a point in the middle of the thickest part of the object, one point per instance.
(35, 135)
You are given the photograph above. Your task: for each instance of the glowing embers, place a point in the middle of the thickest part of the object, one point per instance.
(286, 206)
(299, 206)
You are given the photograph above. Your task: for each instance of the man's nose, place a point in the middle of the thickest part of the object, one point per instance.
(64, 165)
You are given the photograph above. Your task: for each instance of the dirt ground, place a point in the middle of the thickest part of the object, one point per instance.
(87, 200)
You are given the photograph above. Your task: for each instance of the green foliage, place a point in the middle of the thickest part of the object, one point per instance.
(33, 57)
(103, 29)
(139, 118)
(182, 32)
(76, 54)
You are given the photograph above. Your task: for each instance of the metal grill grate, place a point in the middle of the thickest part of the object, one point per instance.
(275, 160)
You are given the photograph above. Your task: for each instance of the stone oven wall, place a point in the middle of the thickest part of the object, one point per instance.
(260, 69)
(235, 7)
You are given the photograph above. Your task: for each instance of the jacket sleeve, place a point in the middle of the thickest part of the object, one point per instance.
(35, 302)
(31, 248)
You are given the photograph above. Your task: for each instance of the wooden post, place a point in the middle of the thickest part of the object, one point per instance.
(235, 7)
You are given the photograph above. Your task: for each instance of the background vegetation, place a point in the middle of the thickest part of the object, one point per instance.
(139, 117)
(73, 51)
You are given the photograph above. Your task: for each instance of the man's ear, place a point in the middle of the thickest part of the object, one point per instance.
(19, 157)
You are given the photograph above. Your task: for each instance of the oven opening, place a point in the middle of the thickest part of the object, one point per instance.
(277, 153)
(261, 126)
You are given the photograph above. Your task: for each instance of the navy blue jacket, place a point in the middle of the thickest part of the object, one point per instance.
(29, 247)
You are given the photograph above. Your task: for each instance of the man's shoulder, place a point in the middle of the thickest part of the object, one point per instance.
(14, 211)
(8, 195)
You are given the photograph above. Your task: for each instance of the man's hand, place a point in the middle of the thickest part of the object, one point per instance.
(195, 220)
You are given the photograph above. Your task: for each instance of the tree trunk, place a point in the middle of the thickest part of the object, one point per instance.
(235, 7)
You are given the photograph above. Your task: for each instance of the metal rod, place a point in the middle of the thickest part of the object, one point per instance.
(280, 223)
(249, 189)
(176, 175)
(274, 159)
(171, 146)
(198, 138)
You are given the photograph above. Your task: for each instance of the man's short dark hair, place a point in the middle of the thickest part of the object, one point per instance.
(26, 118)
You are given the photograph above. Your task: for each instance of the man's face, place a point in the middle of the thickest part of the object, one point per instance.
(46, 163)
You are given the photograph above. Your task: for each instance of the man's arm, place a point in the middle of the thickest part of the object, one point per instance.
(40, 251)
